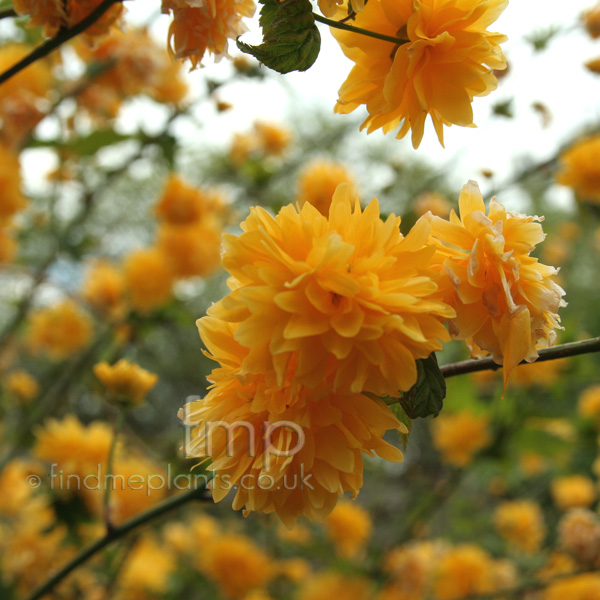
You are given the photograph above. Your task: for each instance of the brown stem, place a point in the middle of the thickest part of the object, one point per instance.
(62, 37)
(486, 364)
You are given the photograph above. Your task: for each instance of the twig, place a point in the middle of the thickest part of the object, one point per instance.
(486, 364)
(359, 30)
(118, 532)
(62, 37)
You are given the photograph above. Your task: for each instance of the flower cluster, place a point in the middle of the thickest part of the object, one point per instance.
(447, 58)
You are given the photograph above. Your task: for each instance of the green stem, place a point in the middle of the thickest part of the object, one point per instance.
(109, 467)
(486, 364)
(117, 533)
(62, 37)
(359, 30)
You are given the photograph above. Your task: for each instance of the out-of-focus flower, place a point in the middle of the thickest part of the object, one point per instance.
(60, 330)
(506, 301)
(273, 139)
(132, 64)
(309, 462)
(22, 385)
(579, 534)
(591, 21)
(521, 524)
(543, 374)
(127, 382)
(181, 203)
(448, 59)
(458, 437)
(192, 536)
(347, 296)
(147, 569)
(532, 463)
(148, 278)
(53, 15)
(432, 202)
(593, 65)
(242, 147)
(462, 571)
(573, 491)
(294, 569)
(205, 26)
(236, 565)
(558, 563)
(328, 585)
(104, 289)
(192, 250)
(318, 181)
(11, 199)
(580, 168)
(349, 528)
(21, 97)
(411, 568)
(8, 246)
(298, 534)
(74, 447)
(589, 403)
(580, 587)
(556, 251)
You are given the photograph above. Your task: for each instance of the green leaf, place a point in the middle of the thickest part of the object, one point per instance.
(426, 396)
(85, 145)
(291, 40)
(504, 109)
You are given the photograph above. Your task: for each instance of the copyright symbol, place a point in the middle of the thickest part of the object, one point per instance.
(34, 481)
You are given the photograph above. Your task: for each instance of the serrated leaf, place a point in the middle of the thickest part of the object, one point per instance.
(426, 397)
(291, 39)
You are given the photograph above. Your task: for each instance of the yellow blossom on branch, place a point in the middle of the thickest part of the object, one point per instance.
(349, 527)
(205, 26)
(346, 295)
(448, 59)
(22, 385)
(458, 437)
(126, 381)
(521, 524)
(580, 168)
(316, 437)
(506, 301)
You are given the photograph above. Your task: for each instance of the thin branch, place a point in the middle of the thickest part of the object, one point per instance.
(62, 37)
(117, 533)
(109, 468)
(486, 364)
(359, 30)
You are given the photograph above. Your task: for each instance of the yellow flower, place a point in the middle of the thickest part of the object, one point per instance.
(271, 138)
(591, 21)
(589, 403)
(330, 7)
(294, 569)
(299, 534)
(60, 330)
(126, 381)
(579, 534)
(148, 278)
(593, 65)
(580, 168)
(532, 463)
(448, 59)
(74, 447)
(8, 246)
(11, 200)
(137, 65)
(190, 537)
(147, 568)
(242, 147)
(22, 384)
(581, 587)
(506, 301)
(573, 491)
(236, 565)
(432, 202)
(315, 437)
(181, 203)
(53, 15)
(462, 571)
(318, 181)
(346, 295)
(193, 250)
(328, 585)
(205, 26)
(104, 289)
(521, 524)
(411, 568)
(459, 436)
(349, 527)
